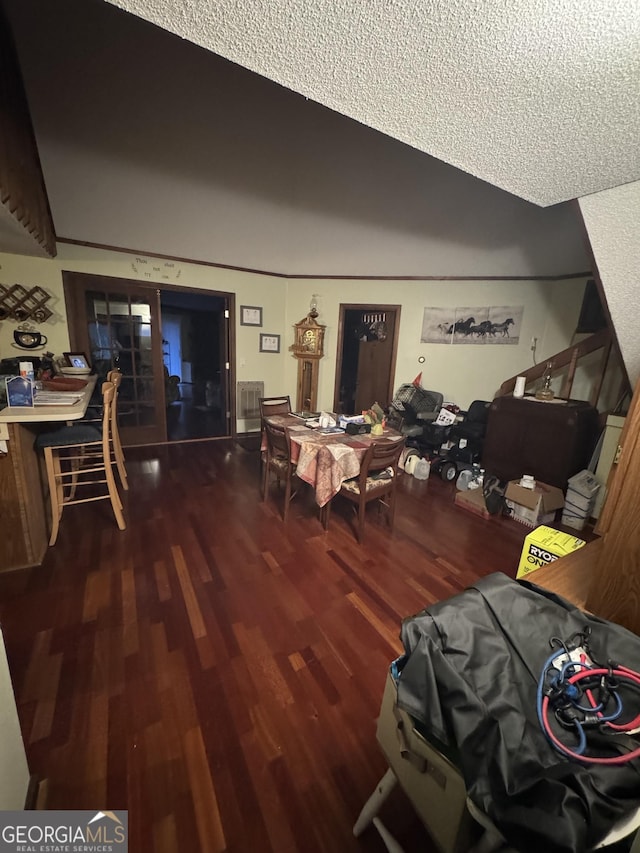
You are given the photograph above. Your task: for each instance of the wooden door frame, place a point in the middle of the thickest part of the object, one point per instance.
(76, 321)
(373, 308)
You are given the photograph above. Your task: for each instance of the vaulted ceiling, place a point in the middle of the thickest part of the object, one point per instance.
(150, 143)
(540, 99)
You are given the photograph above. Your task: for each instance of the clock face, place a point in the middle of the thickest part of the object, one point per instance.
(310, 340)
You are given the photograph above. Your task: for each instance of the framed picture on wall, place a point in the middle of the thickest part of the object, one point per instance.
(250, 315)
(269, 343)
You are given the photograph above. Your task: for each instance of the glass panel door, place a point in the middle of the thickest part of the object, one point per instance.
(117, 324)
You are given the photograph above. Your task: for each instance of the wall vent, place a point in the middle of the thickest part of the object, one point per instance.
(247, 396)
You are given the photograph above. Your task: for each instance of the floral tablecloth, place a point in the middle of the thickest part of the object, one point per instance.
(326, 461)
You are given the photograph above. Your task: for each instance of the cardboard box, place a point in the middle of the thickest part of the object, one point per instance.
(581, 494)
(584, 488)
(533, 506)
(544, 545)
(473, 501)
(433, 784)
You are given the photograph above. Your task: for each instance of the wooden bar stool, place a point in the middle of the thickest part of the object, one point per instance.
(80, 456)
(115, 376)
(117, 454)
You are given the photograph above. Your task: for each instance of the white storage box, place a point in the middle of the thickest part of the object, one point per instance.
(432, 783)
(582, 490)
(581, 494)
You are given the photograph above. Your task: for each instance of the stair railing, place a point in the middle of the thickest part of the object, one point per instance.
(569, 358)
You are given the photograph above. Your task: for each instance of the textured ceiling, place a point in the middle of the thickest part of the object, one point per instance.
(540, 99)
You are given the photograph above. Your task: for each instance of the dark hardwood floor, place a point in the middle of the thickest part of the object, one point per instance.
(217, 674)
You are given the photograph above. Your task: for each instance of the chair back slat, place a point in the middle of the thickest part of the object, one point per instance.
(382, 454)
(278, 441)
(274, 406)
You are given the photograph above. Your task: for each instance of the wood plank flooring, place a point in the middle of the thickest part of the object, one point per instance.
(219, 674)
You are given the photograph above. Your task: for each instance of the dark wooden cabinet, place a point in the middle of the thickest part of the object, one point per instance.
(551, 440)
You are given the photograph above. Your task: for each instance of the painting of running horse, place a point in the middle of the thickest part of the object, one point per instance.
(495, 324)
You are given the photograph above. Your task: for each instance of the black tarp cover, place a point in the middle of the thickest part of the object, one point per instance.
(469, 676)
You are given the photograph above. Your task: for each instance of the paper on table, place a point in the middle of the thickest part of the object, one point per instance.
(56, 398)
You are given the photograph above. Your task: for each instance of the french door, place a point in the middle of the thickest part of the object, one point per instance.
(116, 322)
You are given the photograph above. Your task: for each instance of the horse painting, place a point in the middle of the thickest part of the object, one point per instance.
(462, 327)
(495, 324)
(502, 327)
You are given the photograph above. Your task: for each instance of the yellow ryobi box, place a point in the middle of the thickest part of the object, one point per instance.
(544, 545)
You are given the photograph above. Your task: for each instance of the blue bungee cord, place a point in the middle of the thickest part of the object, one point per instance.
(562, 686)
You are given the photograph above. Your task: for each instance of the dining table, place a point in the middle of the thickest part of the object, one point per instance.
(326, 459)
(23, 515)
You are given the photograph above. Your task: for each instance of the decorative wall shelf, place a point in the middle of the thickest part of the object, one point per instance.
(19, 304)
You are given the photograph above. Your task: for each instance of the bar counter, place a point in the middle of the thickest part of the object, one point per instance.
(23, 506)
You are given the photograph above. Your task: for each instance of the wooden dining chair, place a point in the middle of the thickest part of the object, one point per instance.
(79, 456)
(278, 461)
(274, 406)
(377, 481)
(271, 406)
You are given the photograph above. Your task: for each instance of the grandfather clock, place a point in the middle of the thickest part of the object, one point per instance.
(308, 349)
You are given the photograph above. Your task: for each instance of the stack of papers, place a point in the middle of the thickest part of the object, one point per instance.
(56, 398)
(306, 416)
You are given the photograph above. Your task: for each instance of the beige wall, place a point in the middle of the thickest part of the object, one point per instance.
(612, 218)
(250, 289)
(462, 373)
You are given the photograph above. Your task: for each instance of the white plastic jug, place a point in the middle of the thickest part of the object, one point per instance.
(466, 476)
(422, 469)
(410, 463)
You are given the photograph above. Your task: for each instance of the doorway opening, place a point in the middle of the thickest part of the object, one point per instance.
(194, 364)
(367, 349)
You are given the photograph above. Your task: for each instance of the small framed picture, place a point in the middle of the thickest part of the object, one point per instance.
(77, 359)
(250, 315)
(19, 391)
(269, 343)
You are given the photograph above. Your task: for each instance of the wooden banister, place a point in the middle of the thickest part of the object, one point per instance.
(22, 188)
(568, 357)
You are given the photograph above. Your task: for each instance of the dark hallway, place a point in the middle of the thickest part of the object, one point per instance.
(193, 346)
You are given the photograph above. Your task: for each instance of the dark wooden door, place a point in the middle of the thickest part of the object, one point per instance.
(367, 348)
(374, 360)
